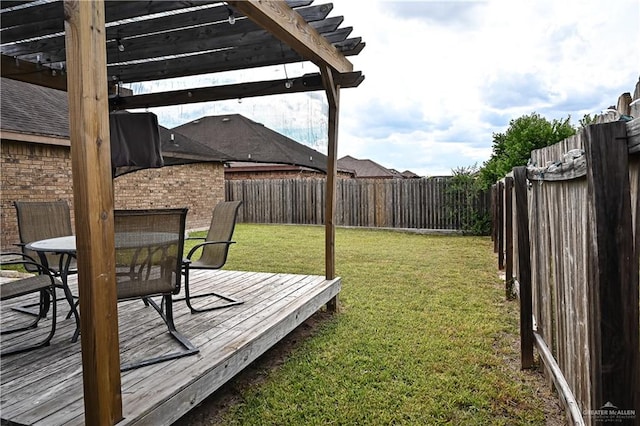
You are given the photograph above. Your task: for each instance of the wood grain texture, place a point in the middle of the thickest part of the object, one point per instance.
(93, 206)
(508, 235)
(280, 20)
(613, 269)
(387, 203)
(333, 97)
(524, 262)
(44, 387)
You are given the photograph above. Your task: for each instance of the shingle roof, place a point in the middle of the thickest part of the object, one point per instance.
(27, 108)
(365, 168)
(409, 174)
(245, 140)
(30, 109)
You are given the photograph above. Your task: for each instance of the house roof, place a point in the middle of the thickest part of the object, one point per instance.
(408, 174)
(242, 139)
(30, 109)
(366, 168)
(21, 102)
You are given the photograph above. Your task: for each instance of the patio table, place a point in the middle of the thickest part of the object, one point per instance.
(66, 248)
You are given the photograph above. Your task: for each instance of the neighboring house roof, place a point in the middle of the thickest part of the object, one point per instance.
(31, 109)
(366, 168)
(408, 174)
(242, 139)
(184, 149)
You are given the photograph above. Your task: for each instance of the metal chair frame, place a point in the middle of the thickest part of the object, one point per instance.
(223, 222)
(139, 271)
(53, 220)
(43, 283)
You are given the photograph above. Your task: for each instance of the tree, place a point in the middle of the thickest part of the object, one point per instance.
(464, 201)
(513, 147)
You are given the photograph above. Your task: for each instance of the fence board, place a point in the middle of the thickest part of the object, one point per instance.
(584, 257)
(614, 307)
(393, 203)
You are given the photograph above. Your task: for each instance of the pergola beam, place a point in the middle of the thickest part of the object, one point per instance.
(287, 25)
(29, 72)
(307, 83)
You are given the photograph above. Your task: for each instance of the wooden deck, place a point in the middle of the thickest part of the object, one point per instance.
(44, 387)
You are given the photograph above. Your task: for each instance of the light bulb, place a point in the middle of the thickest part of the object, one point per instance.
(288, 84)
(232, 19)
(120, 46)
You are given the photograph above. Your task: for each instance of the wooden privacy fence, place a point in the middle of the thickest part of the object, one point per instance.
(568, 225)
(428, 203)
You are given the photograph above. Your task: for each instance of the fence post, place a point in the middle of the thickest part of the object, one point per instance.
(613, 270)
(508, 219)
(524, 268)
(494, 217)
(500, 202)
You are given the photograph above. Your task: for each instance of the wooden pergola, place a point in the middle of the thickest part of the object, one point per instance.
(88, 48)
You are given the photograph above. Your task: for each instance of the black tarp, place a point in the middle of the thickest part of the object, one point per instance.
(135, 142)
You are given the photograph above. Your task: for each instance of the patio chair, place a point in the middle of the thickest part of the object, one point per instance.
(40, 220)
(41, 282)
(215, 249)
(149, 246)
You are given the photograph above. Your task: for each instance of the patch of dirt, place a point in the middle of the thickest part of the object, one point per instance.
(212, 410)
(552, 407)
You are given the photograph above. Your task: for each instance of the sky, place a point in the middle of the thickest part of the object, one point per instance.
(442, 77)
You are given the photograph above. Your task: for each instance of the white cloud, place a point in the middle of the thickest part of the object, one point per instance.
(442, 76)
(474, 66)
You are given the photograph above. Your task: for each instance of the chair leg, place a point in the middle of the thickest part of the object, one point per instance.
(25, 308)
(167, 317)
(45, 303)
(187, 297)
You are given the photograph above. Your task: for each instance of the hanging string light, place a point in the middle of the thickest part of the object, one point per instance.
(232, 17)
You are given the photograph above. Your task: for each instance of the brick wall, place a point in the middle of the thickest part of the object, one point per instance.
(34, 172)
(196, 186)
(41, 172)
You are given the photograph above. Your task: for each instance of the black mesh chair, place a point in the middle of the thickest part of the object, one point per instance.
(42, 283)
(40, 220)
(215, 249)
(149, 246)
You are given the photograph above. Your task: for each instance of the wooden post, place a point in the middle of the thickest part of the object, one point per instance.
(500, 220)
(494, 217)
(524, 263)
(333, 97)
(508, 219)
(93, 206)
(613, 270)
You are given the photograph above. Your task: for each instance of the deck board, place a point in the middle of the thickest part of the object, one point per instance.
(45, 386)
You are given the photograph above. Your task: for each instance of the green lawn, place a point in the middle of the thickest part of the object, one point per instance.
(424, 335)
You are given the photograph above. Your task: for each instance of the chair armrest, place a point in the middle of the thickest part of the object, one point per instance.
(206, 243)
(24, 259)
